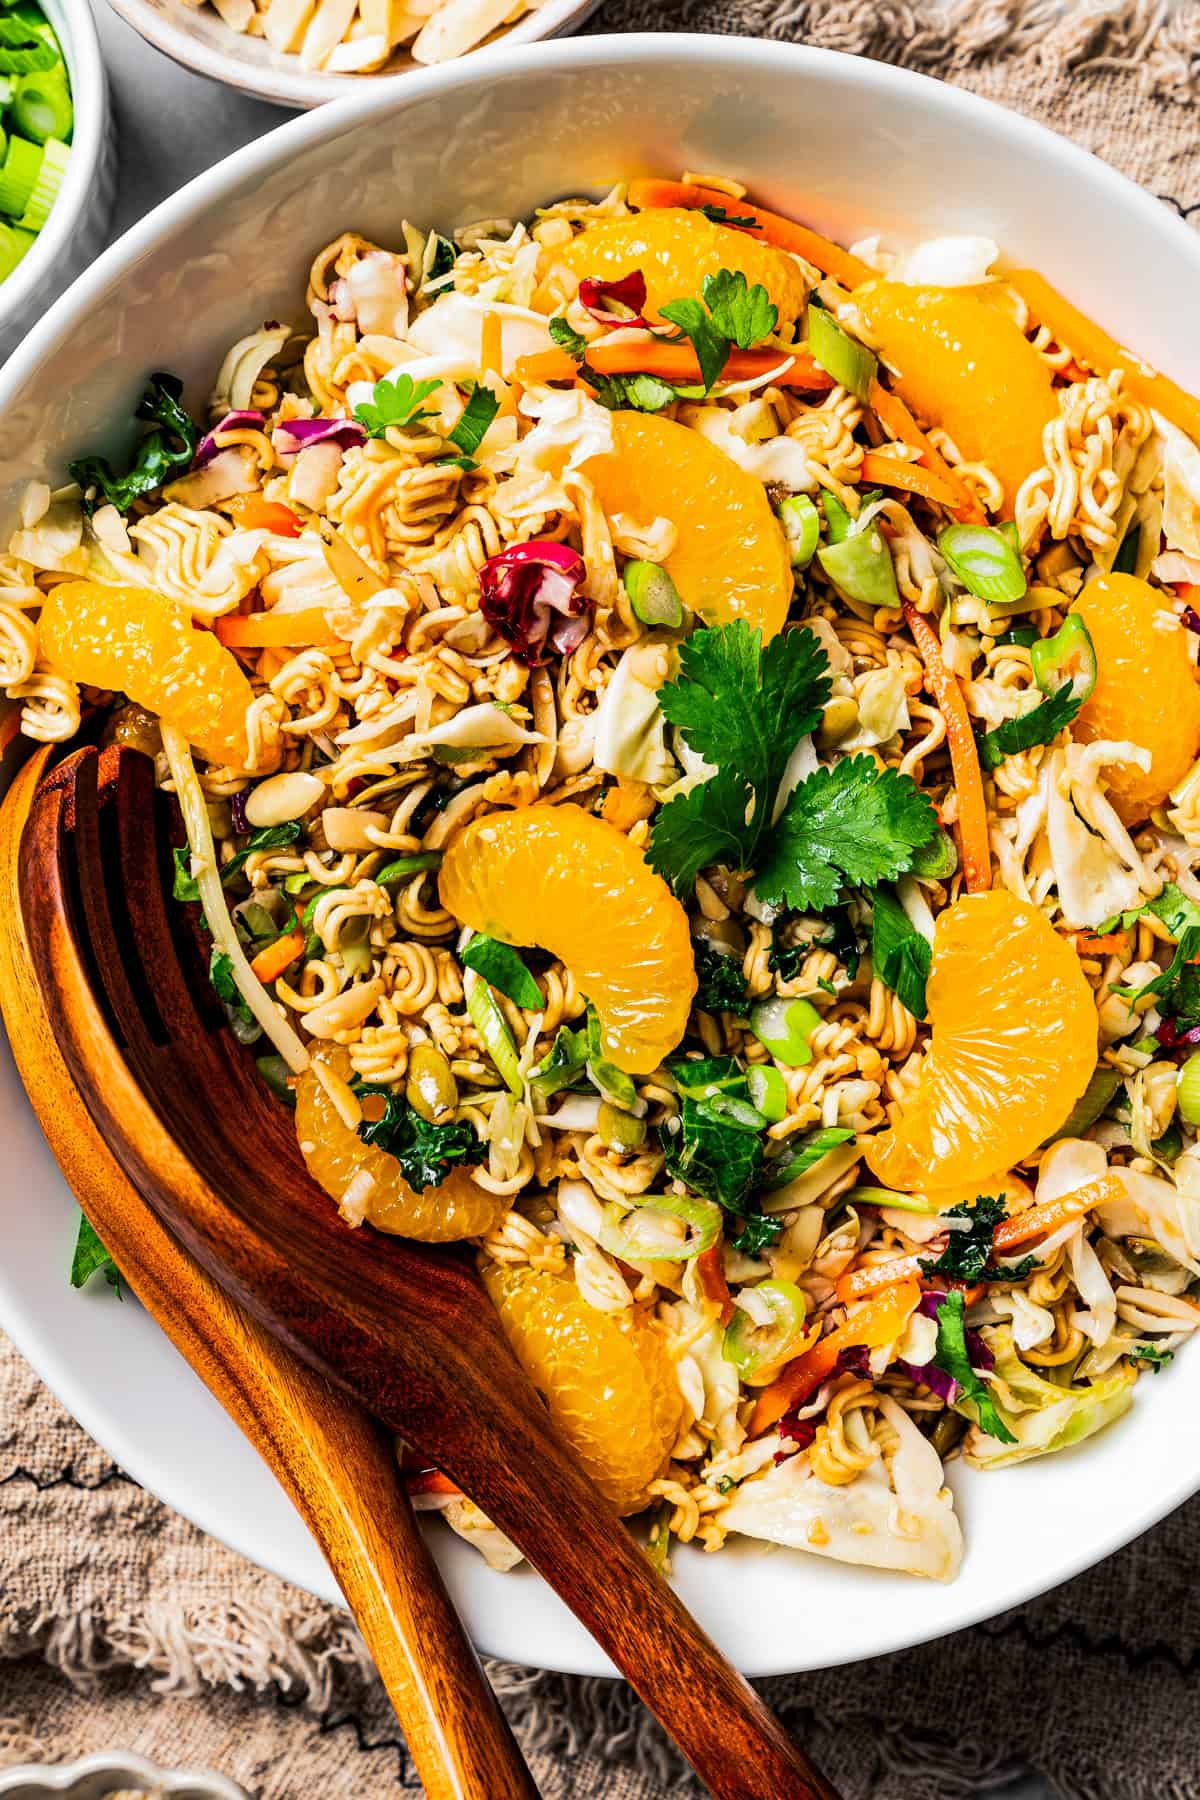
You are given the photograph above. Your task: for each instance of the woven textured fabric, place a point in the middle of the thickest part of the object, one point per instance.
(122, 1625)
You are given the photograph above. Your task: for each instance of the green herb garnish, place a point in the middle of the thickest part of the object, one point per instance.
(731, 312)
(426, 1153)
(162, 453)
(91, 1257)
(396, 401)
(1041, 726)
(900, 955)
(951, 1355)
(722, 982)
(504, 970)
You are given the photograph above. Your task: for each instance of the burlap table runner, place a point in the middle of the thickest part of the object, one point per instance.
(122, 1625)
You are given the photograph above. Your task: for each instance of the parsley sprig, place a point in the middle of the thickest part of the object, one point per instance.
(731, 312)
(396, 401)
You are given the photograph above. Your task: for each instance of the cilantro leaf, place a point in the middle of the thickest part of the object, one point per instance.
(396, 401)
(900, 955)
(1173, 907)
(220, 973)
(719, 216)
(1041, 726)
(163, 452)
(425, 1152)
(704, 826)
(711, 346)
(1158, 1359)
(90, 1257)
(566, 337)
(722, 983)
(745, 706)
(951, 1355)
(742, 313)
(480, 410)
(184, 887)
(758, 1234)
(853, 825)
(1178, 985)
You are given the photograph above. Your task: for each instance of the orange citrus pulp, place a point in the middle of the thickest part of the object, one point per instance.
(1013, 1047)
(607, 1377)
(1145, 690)
(139, 643)
(336, 1156)
(964, 365)
(571, 883)
(730, 559)
(674, 249)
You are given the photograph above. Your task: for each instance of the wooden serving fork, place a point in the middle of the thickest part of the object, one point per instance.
(404, 1328)
(337, 1465)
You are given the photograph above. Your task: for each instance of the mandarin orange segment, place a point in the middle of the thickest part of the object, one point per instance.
(964, 365)
(571, 883)
(143, 645)
(607, 1378)
(1145, 690)
(336, 1158)
(1013, 1047)
(730, 559)
(675, 249)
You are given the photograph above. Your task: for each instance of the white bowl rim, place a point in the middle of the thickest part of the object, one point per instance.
(89, 98)
(94, 1412)
(282, 86)
(126, 1765)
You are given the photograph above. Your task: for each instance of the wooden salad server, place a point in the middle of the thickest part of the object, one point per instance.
(405, 1328)
(338, 1466)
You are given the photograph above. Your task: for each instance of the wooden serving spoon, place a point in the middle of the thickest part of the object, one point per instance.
(337, 1465)
(404, 1327)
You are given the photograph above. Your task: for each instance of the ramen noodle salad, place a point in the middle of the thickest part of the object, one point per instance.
(687, 737)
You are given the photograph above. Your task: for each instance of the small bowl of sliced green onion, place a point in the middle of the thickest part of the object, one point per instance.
(57, 169)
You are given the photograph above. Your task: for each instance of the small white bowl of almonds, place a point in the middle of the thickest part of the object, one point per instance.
(300, 53)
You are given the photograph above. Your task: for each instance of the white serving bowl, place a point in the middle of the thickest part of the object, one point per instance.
(107, 1772)
(196, 36)
(77, 229)
(850, 146)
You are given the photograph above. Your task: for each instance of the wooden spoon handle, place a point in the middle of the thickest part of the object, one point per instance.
(337, 1464)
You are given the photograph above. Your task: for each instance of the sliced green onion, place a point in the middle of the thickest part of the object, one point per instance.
(784, 1027)
(985, 561)
(860, 566)
(18, 175)
(41, 106)
(838, 522)
(801, 527)
(413, 864)
(1145, 1046)
(500, 965)
(490, 1023)
(275, 1072)
(758, 1351)
(1168, 1147)
(620, 1130)
(296, 884)
(768, 1091)
(14, 244)
(652, 594)
(879, 1196)
(1025, 635)
(850, 363)
(937, 859)
(814, 1149)
(1091, 1103)
(8, 87)
(1067, 656)
(727, 1109)
(701, 1216)
(55, 157)
(1189, 1090)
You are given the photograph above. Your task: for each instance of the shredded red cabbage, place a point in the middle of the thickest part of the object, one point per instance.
(523, 589)
(1170, 1036)
(207, 448)
(293, 435)
(237, 812)
(1191, 619)
(935, 1379)
(629, 292)
(798, 1432)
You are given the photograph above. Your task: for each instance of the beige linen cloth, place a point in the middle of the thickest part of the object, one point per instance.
(122, 1625)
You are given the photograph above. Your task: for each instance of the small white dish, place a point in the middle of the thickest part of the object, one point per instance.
(197, 37)
(850, 146)
(114, 1772)
(77, 229)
